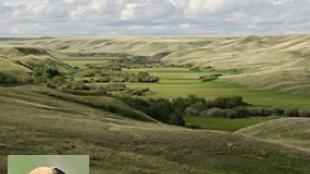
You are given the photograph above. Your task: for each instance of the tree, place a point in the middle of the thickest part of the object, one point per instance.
(228, 102)
(214, 112)
(146, 77)
(195, 69)
(51, 73)
(292, 112)
(305, 114)
(177, 120)
(210, 77)
(278, 111)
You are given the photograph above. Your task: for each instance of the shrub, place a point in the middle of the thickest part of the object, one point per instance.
(82, 87)
(104, 79)
(208, 68)
(265, 112)
(241, 112)
(188, 65)
(195, 69)
(131, 77)
(42, 73)
(116, 68)
(194, 126)
(75, 86)
(214, 112)
(146, 77)
(28, 50)
(194, 109)
(56, 82)
(138, 92)
(89, 73)
(231, 113)
(305, 114)
(85, 81)
(39, 80)
(177, 120)
(206, 78)
(112, 87)
(210, 77)
(292, 112)
(259, 112)
(278, 111)
(119, 79)
(160, 109)
(7, 79)
(51, 73)
(39, 70)
(228, 102)
(192, 99)
(180, 104)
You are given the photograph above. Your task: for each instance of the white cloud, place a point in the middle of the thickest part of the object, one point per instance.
(147, 10)
(106, 10)
(4, 9)
(69, 17)
(43, 10)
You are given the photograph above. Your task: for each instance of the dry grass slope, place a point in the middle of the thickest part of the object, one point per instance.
(15, 60)
(293, 132)
(272, 62)
(33, 123)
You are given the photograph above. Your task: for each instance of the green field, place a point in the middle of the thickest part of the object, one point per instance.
(223, 124)
(180, 82)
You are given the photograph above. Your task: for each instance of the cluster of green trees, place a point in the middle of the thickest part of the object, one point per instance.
(243, 112)
(146, 77)
(138, 92)
(73, 86)
(115, 74)
(42, 73)
(238, 112)
(33, 51)
(235, 107)
(164, 110)
(173, 111)
(293, 112)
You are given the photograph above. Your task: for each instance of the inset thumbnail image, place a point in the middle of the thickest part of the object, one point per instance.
(48, 164)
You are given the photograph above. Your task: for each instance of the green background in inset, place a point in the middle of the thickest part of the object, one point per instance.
(71, 164)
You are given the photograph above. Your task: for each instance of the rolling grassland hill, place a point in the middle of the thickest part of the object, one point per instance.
(289, 131)
(279, 63)
(17, 61)
(32, 121)
(121, 139)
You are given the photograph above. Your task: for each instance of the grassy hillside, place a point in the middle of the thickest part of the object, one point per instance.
(17, 60)
(272, 62)
(289, 131)
(266, 71)
(32, 122)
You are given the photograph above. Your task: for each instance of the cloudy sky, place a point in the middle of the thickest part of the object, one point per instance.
(153, 17)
